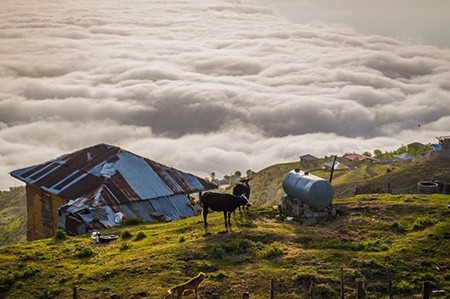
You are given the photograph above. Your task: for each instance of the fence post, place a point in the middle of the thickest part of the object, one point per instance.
(426, 289)
(342, 283)
(245, 295)
(271, 289)
(391, 296)
(361, 289)
(75, 293)
(310, 289)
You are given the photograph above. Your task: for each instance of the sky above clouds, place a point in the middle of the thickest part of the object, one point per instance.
(410, 20)
(207, 86)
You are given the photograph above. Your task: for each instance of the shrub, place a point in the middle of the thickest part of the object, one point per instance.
(31, 256)
(124, 246)
(140, 236)
(403, 287)
(83, 252)
(218, 252)
(181, 239)
(372, 269)
(273, 250)
(302, 277)
(132, 221)
(423, 222)
(60, 235)
(324, 291)
(376, 245)
(233, 247)
(126, 235)
(8, 279)
(397, 227)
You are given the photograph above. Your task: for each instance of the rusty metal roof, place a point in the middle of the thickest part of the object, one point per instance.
(86, 214)
(117, 175)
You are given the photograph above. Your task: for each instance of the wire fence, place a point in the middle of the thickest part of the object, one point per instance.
(362, 286)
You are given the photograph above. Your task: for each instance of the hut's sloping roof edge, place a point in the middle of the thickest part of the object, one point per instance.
(126, 176)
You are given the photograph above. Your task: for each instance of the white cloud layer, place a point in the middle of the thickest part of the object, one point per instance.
(206, 86)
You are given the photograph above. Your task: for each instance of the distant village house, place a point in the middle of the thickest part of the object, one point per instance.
(308, 160)
(404, 157)
(355, 158)
(95, 187)
(443, 151)
(337, 166)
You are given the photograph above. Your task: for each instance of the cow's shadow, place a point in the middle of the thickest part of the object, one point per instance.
(227, 230)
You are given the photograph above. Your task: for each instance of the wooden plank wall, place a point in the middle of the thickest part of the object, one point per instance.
(36, 226)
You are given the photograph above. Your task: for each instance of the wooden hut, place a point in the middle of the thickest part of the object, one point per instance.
(87, 189)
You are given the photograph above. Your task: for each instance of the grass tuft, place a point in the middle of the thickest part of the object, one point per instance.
(124, 246)
(126, 235)
(82, 251)
(140, 235)
(60, 235)
(423, 222)
(397, 228)
(132, 221)
(271, 251)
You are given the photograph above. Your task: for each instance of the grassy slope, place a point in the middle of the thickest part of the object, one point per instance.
(407, 233)
(12, 216)
(266, 188)
(403, 177)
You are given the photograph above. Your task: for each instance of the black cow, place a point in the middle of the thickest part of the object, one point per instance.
(242, 188)
(222, 202)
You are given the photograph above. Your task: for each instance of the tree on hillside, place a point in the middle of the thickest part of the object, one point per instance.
(401, 150)
(226, 178)
(213, 176)
(413, 149)
(367, 154)
(237, 173)
(417, 148)
(377, 153)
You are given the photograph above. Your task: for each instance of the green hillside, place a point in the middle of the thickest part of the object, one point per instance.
(403, 178)
(266, 188)
(408, 234)
(13, 216)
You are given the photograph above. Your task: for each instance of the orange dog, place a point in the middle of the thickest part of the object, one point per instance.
(191, 284)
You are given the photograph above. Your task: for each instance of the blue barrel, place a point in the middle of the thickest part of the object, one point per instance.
(308, 188)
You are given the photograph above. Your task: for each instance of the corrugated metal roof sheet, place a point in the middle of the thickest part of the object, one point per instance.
(128, 176)
(102, 180)
(168, 207)
(90, 211)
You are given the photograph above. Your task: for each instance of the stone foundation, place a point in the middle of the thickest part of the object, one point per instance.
(291, 206)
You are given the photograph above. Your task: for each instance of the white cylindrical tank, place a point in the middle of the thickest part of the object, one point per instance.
(310, 189)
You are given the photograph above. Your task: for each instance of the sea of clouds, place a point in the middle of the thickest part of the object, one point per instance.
(204, 86)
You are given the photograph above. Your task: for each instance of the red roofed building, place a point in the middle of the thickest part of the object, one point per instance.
(357, 158)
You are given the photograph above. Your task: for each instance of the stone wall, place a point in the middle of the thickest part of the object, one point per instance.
(291, 206)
